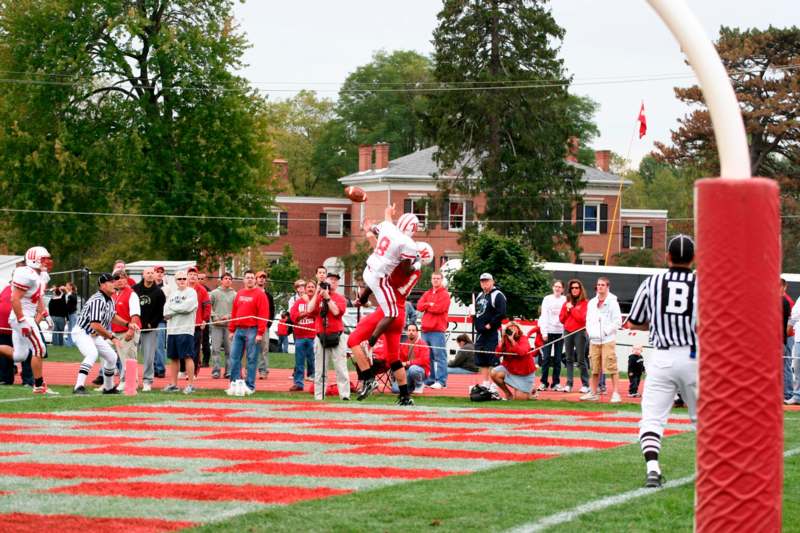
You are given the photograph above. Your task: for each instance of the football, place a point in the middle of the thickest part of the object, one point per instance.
(356, 194)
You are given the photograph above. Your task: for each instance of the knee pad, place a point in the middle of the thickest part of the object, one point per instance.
(396, 365)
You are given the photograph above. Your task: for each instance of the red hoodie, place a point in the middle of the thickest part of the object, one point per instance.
(435, 303)
(575, 318)
(421, 356)
(250, 303)
(517, 359)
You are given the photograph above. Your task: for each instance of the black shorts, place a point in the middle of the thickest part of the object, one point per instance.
(485, 349)
(5, 340)
(180, 347)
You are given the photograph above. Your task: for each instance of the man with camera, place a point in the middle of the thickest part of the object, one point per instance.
(328, 307)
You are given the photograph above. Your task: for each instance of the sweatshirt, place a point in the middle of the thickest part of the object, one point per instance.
(250, 303)
(575, 318)
(222, 304)
(151, 304)
(517, 359)
(435, 304)
(603, 321)
(551, 308)
(179, 311)
(490, 309)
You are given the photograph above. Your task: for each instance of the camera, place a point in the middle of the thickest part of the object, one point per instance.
(510, 332)
(324, 285)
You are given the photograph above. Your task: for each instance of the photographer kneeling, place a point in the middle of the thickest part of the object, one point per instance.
(516, 373)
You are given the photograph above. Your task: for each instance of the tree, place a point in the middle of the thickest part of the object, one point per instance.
(510, 262)
(282, 276)
(505, 130)
(124, 106)
(381, 101)
(638, 258)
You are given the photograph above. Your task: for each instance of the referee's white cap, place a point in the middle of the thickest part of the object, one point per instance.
(681, 249)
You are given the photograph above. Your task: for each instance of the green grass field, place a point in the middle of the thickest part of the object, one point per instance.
(492, 500)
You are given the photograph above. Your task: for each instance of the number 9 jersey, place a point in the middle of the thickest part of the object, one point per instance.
(392, 248)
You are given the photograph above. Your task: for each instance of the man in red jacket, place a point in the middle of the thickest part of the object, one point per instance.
(435, 304)
(126, 304)
(416, 358)
(246, 328)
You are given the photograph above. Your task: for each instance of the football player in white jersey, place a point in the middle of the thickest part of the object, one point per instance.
(27, 309)
(394, 246)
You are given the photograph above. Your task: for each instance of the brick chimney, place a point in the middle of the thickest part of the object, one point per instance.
(280, 170)
(364, 157)
(573, 144)
(602, 159)
(381, 156)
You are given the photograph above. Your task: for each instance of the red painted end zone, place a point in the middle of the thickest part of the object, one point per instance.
(297, 437)
(532, 441)
(36, 523)
(67, 471)
(171, 409)
(399, 428)
(38, 438)
(156, 451)
(201, 492)
(335, 471)
(445, 453)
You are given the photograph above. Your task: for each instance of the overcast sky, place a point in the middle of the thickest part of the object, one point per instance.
(315, 44)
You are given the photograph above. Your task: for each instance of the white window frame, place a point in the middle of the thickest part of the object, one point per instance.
(596, 231)
(273, 258)
(277, 232)
(463, 215)
(643, 237)
(423, 217)
(332, 215)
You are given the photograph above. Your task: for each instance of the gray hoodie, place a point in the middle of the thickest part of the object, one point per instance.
(180, 311)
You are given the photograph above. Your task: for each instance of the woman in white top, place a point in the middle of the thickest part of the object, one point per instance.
(552, 330)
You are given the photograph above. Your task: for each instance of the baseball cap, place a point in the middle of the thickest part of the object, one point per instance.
(681, 249)
(105, 277)
(261, 273)
(191, 269)
(486, 275)
(159, 267)
(333, 275)
(118, 273)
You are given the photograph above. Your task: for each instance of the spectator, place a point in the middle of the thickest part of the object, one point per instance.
(328, 306)
(71, 295)
(57, 308)
(416, 358)
(573, 317)
(464, 362)
(180, 312)
(203, 313)
(411, 318)
(246, 329)
(283, 333)
(205, 339)
(159, 365)
(221, 310)
(515, 376)
(435, 304)
(635, 371)
(119, 264)
(303, 322)
(127, 307)
(603, 318)
(151, 303)
(490, 310)
(535, 341)
(321, 274)
(263, 349)
(788, 343)
(552, 331)
(299, 292)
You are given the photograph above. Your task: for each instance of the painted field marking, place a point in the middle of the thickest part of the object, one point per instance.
(609, 501)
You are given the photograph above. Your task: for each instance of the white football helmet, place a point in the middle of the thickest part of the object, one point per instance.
(38, 257)
(425, 252)
(408, 223)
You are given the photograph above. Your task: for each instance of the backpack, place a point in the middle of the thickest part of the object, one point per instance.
(479, 393)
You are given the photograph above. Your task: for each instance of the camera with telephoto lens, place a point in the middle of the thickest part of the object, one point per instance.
(510, 332)
(324, 285)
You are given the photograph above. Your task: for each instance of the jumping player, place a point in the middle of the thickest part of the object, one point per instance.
(402, 281)
(667, 304)
(27, 310)
(394, 248)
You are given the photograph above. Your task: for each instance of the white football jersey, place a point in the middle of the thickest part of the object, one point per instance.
(33, 283)
(393, 246)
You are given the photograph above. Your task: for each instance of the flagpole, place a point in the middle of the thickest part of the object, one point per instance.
(621, 183)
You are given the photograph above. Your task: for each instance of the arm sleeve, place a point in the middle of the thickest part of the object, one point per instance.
(134, 305)
(562, 316)
(543, 324)
(441, 303)
(262, 312)
(424, 300)
(795, 315)
(499, 309)
(234, 311)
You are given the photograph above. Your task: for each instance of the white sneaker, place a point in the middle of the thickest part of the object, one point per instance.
(181, 375)
(584, 389)
(121, 386)
(146, 387)
(566, 388)
(542, 387)
(419, 389)
(558, 388)
(791, 401)
(248, 391)
(615, 398)
(589, 396)
(438, 385)
(231, 390)
(240, 387)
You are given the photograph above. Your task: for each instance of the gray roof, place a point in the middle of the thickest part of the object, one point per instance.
(420, 165)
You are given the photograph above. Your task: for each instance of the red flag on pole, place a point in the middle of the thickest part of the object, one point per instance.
(642, 122)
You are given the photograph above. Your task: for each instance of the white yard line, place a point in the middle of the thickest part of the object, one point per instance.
(602, 503)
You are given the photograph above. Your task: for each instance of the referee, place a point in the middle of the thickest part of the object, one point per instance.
(92, 335)
(667, 304)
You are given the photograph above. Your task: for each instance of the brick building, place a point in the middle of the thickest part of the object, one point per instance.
(322, 229)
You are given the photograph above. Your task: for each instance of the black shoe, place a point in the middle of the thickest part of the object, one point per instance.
(367, 386)
(404, 400)
(98, 380)
(81, 391)
(112, 390)
(160, 374)
(654, 480)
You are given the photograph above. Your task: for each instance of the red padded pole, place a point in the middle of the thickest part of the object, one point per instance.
(740, 409)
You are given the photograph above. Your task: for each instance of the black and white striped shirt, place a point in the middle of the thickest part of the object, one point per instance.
(99, 308)
(668, 301)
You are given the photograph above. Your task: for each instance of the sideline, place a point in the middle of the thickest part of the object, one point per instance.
(602, 503)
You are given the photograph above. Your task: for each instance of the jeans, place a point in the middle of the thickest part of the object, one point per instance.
(575, 348)
(161, 349)
(303, 355)
(59, 323)
(71, 320)
(551, 358)
(788, 350)
(244, 338)
(283, 343)
(415, 375)
(435, 339)
(147, 345)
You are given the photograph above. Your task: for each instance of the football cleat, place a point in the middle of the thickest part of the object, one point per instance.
(112, 390)
(81, 391)
(654, 480)
(367, 386)
(404, 400)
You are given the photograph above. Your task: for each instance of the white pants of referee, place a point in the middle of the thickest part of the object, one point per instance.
(92, 346)
(669, 371)
(382, 290)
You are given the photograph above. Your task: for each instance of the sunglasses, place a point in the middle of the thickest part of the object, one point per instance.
(116, 278)
(574, 287)
(180, 279)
